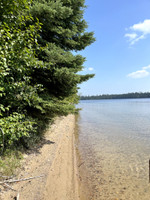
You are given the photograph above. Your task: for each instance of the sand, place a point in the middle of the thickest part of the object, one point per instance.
(55, 160)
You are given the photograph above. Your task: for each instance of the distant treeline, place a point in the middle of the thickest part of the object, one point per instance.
(117, 96)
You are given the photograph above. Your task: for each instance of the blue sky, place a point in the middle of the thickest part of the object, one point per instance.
(120, 57)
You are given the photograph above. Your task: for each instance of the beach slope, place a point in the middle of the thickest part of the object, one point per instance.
(55, 161)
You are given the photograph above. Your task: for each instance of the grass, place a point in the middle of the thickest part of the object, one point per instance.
(9, 162)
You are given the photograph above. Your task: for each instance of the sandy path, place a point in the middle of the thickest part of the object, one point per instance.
(55, 159)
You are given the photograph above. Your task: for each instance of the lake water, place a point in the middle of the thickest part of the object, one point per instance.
(114, 148)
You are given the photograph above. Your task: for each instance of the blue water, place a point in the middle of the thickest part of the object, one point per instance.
(114, 143)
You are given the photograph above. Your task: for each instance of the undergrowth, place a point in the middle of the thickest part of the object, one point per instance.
(9, 161)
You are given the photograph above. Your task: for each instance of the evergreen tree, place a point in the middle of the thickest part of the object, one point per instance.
(63, 31)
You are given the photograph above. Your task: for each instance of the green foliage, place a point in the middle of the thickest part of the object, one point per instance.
(18, 43)
(14, 127)
(63, 31)
(63, 23)
(38, 70)
(9, 10)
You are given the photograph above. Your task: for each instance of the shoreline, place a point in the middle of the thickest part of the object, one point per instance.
(85, 187)
(56, 160)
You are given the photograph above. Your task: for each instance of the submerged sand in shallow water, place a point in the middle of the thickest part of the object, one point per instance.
(114, 171)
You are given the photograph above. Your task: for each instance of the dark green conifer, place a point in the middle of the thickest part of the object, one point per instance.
(63, 31)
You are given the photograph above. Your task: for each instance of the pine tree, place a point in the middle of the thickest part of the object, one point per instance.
(63, 31)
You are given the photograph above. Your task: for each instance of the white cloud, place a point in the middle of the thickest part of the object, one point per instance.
(90, 69)
(137, 39)
(140, 31)
(147, 67)
(140, 73)
(143, 27)
(131, 36)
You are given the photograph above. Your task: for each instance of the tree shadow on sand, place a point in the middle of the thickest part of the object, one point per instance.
(36, 148)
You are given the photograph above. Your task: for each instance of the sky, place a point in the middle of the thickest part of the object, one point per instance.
(120, 57)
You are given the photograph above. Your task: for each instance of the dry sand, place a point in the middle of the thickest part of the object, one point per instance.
(55, 160)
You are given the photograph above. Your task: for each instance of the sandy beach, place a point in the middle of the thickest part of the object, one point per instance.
(54, 161)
